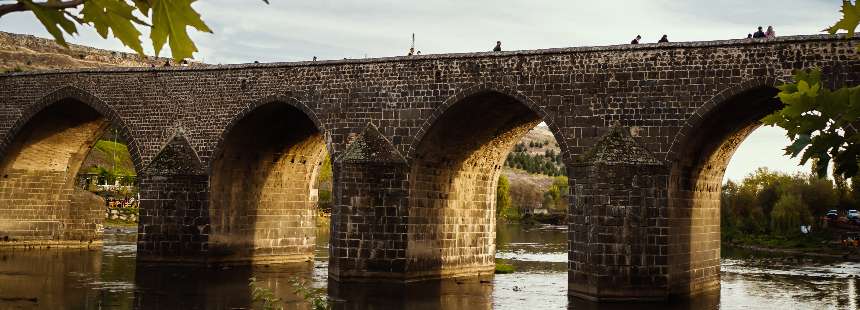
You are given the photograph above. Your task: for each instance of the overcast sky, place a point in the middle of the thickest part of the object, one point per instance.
(292, 30)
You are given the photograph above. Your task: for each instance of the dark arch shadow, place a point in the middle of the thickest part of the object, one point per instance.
(699, 158)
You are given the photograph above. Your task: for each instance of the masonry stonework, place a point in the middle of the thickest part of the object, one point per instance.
(225, 155)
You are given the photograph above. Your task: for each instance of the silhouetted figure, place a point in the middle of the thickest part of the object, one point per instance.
(636, 40)
(770, 34)
(664, 39)
(759, 34)
(411, 51)
(256, 62)
(418, 53)
(749, 36)
(315, 58)
(498, 47)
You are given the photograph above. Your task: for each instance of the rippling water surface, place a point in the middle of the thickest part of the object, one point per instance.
(108, 278)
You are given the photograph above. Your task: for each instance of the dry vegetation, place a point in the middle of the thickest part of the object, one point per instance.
(20, 52)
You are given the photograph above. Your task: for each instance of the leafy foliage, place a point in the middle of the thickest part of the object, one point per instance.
(315, 296)
(555, 198)
(548, 163)
(504, 268)
(324, 185)
(54, 21)
(820, 122)
(503, 196)
(116, 17)
(263, 297)
(850, 18)
(767, 202)
(170, 20)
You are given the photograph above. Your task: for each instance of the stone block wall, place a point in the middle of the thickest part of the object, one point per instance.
(618, 232)
(174, 219)
(369, 223)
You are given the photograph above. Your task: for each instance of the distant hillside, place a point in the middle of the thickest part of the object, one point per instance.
(537, 153)
(110, 156)
(19, 52)
(540, 135)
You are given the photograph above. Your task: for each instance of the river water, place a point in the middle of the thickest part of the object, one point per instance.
(108, 278)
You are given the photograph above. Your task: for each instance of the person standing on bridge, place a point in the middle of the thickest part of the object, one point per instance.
(498, 47)
(664, 39)
(636, 40)
(770, 34)
(759, 34)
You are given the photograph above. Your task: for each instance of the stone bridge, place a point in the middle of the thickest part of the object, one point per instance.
(226, 156)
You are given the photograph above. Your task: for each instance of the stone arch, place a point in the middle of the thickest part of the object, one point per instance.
(82, 96)
(454, 166)
(695, 120)
(698, 158)
(42, 154)
(486, 88)
(260, 183)
(277, 99)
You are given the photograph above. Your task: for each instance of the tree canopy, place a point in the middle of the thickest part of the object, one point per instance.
(821, 123)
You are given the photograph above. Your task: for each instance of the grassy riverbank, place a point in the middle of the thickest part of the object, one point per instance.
(824, 243)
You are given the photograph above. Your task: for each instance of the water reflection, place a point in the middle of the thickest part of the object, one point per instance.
(109, 278)
(463, 293)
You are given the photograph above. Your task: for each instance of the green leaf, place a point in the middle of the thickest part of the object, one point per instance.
(799, 144)
(170, 18)
(850, 19)
(54, 21)
(116, 16)
(143, 6)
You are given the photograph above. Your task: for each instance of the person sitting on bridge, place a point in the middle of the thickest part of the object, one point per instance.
(749, 36)
(411, 51)
(759, 34)
(498, 47)
(664, 39)
(770, 34)
(636, 40)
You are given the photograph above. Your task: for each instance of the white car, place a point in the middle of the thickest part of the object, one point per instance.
(853, 215)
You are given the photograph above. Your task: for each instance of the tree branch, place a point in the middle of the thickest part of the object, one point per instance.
(56, 5)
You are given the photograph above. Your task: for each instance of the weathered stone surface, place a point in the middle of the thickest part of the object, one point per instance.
(176, 158)
(638, 229)
(618, 148)
(370, 147)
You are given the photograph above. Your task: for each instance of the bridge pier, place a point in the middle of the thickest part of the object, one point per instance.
(174, 216)
(618, 234)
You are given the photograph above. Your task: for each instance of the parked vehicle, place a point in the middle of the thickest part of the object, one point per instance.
(853, 215)
(851, 240)
(832, 215)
